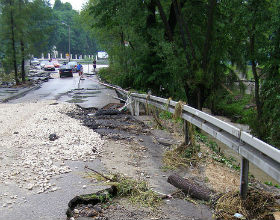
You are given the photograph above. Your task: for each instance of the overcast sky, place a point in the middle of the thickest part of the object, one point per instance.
(76, 4)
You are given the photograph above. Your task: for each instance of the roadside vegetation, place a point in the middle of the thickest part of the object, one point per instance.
(206, 162)
(196, 51)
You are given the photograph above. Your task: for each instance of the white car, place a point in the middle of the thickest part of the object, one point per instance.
(34, 62)
(43, 63)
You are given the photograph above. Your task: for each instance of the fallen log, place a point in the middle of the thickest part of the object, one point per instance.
(190, 187)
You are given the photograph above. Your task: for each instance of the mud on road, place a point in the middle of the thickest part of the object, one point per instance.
(135, 149)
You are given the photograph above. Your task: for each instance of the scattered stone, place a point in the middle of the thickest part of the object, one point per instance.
(53, 137)
(97, 208)
(30, 186)
(84, 186)
(53, 189)
(16, 132)
(92, 213)
(76, 211)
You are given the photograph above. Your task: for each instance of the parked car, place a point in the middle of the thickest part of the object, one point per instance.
(73, 65)
(49, 66)
(43, 63)
(34, 62)
(56, 63)
(65, 70)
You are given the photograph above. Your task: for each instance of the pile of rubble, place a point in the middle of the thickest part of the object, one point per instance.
(29, 158)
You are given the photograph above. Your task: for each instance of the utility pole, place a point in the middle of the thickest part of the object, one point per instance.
(69, 42)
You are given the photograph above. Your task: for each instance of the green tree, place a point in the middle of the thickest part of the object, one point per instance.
(24, 27)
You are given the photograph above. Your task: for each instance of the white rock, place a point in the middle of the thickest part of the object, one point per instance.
(54, 189)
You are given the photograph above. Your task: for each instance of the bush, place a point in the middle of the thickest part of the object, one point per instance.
(233, 106)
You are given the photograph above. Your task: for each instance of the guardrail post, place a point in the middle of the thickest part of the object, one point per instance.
(130, 105)
(186, 132)
(244, 178)
(136, 108)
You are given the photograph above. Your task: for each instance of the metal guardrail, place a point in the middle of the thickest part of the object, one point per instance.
(259, 153)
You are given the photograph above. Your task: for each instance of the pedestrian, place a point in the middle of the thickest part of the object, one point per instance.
(80, 69)
(94, 65)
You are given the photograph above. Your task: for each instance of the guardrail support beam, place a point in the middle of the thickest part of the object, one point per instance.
(186, 132)
(130, 105)
(244, 178)
(137, 111)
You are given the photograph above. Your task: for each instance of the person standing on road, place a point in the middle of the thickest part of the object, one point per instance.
(94, 65)
(80, 69)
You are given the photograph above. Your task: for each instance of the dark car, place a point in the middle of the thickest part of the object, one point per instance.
(73, 65)
(65, 70)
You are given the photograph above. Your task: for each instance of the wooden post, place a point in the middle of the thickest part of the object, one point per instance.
(136, 108)
(186, 132)
(244, 178)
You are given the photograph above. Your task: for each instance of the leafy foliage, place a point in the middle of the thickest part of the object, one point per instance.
(194, 51)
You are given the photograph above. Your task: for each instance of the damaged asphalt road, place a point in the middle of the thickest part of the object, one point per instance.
(36, 129)
(135, 149)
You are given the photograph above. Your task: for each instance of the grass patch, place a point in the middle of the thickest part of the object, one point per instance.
(181, 156)
(217, 155)
(6, 77)
(269, 183)
(137, 191)
(258, 205)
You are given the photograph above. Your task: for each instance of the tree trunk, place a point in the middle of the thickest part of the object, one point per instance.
(208, 39)
(184, 23)
(172, 21)
(190, 187)
(181, 28)
(22, 48)
(22, 61)
(13, 42)
(168, 31)
(256, 76)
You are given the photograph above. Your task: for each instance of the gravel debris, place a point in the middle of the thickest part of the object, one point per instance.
(29, 158)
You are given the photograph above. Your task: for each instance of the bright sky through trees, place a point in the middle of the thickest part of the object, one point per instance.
(76, 4)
